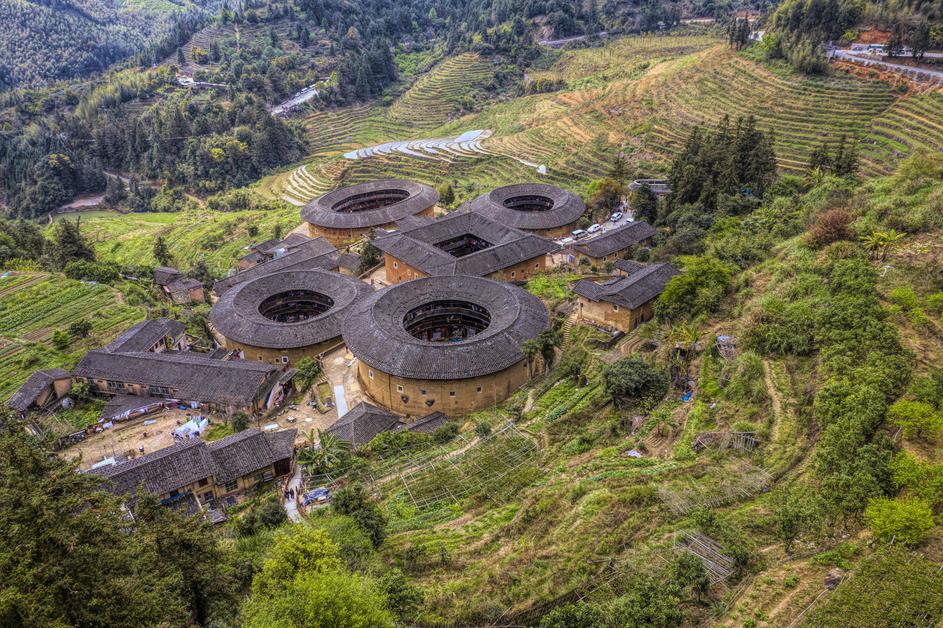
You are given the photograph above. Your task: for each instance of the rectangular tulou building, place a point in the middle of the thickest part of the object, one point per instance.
(462, 243)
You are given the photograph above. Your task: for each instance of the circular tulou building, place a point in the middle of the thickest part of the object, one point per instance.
(283, 317)
(350, 213)
(543, 209)
(450, 343)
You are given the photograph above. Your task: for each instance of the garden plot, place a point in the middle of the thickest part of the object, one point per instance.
(738, 484)
(496, 467)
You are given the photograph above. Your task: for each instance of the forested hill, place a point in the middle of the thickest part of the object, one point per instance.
(62, 39)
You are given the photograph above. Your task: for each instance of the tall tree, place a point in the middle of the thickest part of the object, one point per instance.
(69, 556)
(161, 253)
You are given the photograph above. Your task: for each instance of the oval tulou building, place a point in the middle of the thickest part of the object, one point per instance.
(282, 317)
(451, 344)
(543, 209)
(354, 212)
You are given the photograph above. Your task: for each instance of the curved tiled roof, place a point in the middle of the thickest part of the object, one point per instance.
(375, 333)
(567, 207)
(323, 212)
(236, 315)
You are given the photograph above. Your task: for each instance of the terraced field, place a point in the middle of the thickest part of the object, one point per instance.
(637, 95)
(435, 96)
(801, 111)
(912, 123)
(35, 305)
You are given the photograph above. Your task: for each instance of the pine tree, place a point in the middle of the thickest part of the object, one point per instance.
(161, 253)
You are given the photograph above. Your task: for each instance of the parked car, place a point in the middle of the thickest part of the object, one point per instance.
(616, 217)
(567, 241)
(579, 233)
(594, 228)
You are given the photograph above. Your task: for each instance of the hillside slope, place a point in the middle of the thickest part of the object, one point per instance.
(43, 42)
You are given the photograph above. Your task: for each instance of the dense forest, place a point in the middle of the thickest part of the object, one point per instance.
(58, 40)
(59, 142)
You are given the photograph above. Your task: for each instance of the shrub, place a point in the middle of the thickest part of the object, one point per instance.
(632, 378)
(266, 514)
(60, 340)
(905, 297)
(831, 226)
(353, 501)
(482, 429)
(905, 521)
(445, 433)
(84, 270)
(698, 290)
(579, 615)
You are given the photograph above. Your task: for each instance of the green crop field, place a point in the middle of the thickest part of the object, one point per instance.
(218, 238)
(35, 305)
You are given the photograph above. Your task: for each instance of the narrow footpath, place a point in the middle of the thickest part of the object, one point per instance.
(291, 505)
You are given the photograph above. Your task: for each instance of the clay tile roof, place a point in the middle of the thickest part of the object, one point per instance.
(189, 461)
(417, 246)
(362, 423)
(248, 451)
(503, 205)
(427, 424)
(191, 376)
(162, 471)
(165, 274)
(323, 211)
(144, 335)
(375, 333)
(616, 240)
(26, 395)
(236, 315)
(633, 291)
(119, 404)
(316, 253)
(628, 266)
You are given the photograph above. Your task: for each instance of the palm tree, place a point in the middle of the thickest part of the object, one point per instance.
(882, 241)
(530, 348)
(333, 449)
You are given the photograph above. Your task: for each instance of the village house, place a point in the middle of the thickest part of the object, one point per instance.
(207, 475)
(450, 344)
(227, 386)
(540, 208)
(42, 391)
(611, 245)
(622, 302)
(177, 287)
(270, 249)
(283, 317)
(313, 254)
(154, 335)
(362, 423)
(463, 243)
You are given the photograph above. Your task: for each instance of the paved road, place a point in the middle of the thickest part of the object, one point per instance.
(293, 102)
(918, 74)
(556, 43)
